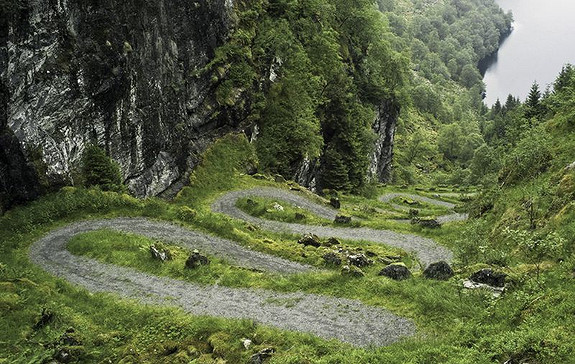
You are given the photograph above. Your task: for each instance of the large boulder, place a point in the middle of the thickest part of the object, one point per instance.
(310, 239)
(398, 272)
(196, 259)
(489, 277)
(440, 271)
(332, 258)
(342, 219)
(334, 202)
(359, 260)
(352, 271)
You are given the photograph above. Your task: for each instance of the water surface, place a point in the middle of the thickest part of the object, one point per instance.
(543, 40)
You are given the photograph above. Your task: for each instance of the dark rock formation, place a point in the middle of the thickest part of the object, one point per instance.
(261, 356)
(440, 271)
(352, 271)
(196, 259)
(359, 260)
(310, 239)
(342, 219)
(334, 202)
(384, 127)
(332, 258)
(426, 223)
(125, 75)
(489, 277)
(396, 272)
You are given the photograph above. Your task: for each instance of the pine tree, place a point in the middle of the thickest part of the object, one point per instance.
(533, 102)
(99, 170)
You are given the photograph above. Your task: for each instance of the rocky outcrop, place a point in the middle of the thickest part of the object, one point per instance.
(384, 127)
(384, 124)
(127, 75)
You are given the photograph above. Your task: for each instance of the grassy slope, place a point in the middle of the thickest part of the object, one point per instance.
(454, 325)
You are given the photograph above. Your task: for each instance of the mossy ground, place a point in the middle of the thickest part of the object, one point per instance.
(532, 320)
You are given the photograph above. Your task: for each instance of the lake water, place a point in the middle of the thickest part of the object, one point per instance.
(542, 41)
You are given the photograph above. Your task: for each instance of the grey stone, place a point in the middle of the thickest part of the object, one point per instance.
(332, 258)
(440, 271)
(196, 259)
(310, 240)
(359, 260)
(352, 271)
(261, 356)
(398, 272)
(334, 202)
(342, 219)
(490, 277)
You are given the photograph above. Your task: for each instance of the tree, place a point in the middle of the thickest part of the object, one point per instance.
(450, 141)
(100, 170)
(533, 102)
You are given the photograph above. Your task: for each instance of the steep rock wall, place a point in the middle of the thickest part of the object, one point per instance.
(384, 125)
(126, 75)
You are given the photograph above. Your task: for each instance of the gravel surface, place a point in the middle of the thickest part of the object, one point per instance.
(426, 249)
(328, 317)
(442, 219)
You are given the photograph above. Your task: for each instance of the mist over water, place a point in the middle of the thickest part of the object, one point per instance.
(543, 40)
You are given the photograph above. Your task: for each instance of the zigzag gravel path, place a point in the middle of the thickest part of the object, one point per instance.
(327, 317)
(427, 250)
(441, 219)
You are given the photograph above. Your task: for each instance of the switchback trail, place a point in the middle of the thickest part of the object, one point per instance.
(327, 317)
(427, 250)
(442, 219)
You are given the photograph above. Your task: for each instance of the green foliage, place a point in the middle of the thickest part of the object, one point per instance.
(221, 162)
(99, 170)
(529, 159)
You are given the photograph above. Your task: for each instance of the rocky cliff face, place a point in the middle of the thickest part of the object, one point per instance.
(387, 113)
(384, 127)
(126, 75)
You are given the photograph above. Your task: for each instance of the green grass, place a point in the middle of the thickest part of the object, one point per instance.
(265, 208)
(532, 321)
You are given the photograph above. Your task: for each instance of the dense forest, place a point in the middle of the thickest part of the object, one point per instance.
(463, 254)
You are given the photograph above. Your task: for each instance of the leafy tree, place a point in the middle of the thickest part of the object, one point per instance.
(450, 141)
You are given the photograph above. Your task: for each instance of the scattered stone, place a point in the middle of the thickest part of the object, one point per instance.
(247, 343)
(69, 338)
(571, 167)
(359, 260)
(299, 216)
(352, 271)
(251, 202)
(295, 188)
(440, 271)
(310, 239)
(334, 202)
(332, 258)
(278, 207)
(331, 242)
(278, 178)
(262, 355)
(394, 258)
(251, 169)
(196, 259)
(160, 254)
(412, 213)
(426, 223)
(259, 176)
(398, 272)
(411, 202)
(496, 291)
(46, 317)
(489, 277)
(370, 254)
(342, 219)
